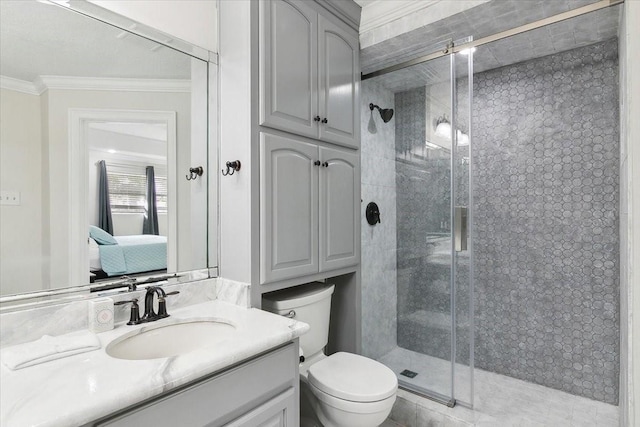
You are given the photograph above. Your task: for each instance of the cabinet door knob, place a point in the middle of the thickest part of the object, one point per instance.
(325, 164)
(325, 120)
(316, 119)
(317, 163)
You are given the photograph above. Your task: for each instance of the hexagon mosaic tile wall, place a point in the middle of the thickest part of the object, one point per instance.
(546, 215)
(545, 171)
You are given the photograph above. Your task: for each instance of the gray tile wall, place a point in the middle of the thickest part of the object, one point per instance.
(379, 275)
(546, 224)
(546, 214)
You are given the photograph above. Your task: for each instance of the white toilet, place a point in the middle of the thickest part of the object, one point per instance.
(344, 389)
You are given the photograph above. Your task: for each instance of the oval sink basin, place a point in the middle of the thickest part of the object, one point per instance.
(169, 340)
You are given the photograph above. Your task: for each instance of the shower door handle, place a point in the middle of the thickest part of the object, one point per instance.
(460, 228)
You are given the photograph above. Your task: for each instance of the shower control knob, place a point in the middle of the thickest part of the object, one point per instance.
(325, 120)
(372, 213)
(316, 119)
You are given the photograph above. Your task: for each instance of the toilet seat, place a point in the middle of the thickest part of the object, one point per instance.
(353, 378)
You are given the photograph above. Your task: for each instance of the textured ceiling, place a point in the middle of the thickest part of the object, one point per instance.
(485, 20)
(41, 39)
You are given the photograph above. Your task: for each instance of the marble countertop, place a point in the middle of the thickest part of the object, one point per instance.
(79, 389)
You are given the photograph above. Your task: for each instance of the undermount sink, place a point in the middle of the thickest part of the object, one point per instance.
(170, 340)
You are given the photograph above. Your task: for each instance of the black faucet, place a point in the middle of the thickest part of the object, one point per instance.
(149, 313)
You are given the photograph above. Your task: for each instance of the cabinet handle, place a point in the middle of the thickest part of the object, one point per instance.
(317, 163)
(325, 164)
(325, 120)
(316, 119)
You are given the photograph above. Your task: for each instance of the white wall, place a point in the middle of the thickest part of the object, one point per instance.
(235, 141)
(630, 215)
(194, 21)
(20, 226)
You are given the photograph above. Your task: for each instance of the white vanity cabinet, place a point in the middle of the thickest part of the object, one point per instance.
(309, 202)
(260, 393)
(309, 72)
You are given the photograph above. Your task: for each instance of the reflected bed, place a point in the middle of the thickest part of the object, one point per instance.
(131, 254)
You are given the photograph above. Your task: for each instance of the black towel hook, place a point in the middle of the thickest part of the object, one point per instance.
(195, 173)
(232, 167)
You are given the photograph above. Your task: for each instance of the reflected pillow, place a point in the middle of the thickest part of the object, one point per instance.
(101, 236)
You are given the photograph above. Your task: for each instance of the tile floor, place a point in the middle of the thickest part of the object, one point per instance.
(500, 401)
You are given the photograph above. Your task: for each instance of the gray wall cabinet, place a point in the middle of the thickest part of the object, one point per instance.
(309, 208)
(309, 72)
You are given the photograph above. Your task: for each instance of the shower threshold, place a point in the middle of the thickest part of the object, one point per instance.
(431, 395)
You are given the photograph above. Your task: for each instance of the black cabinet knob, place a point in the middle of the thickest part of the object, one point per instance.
(317, 163)
(325, 120)
(316, 119)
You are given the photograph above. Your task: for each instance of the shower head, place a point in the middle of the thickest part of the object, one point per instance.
(385, 113)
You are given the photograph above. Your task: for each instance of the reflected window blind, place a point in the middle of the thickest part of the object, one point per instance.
(127, 192)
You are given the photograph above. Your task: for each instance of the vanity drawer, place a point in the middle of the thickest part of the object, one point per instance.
(231, 395)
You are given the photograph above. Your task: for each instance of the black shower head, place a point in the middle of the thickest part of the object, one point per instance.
(385, 113)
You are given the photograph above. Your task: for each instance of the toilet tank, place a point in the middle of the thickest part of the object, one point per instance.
(311, 304)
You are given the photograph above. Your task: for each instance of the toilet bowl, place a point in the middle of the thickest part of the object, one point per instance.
(340, 390)
(351, 390)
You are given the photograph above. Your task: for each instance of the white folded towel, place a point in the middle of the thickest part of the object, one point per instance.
(48, 348)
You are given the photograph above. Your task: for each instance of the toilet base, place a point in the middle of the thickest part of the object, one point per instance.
(327, 413)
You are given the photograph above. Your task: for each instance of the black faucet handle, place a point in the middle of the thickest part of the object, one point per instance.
(162, 304)
(134, 318)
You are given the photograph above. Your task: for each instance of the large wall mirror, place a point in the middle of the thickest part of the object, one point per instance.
(99, 129)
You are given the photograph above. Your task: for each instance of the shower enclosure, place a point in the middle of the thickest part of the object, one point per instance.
(434, 354)
(531, 183)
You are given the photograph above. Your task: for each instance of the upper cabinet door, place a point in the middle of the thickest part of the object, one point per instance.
(288, 66)
(339, 209)
(338, 58)
(288, 208)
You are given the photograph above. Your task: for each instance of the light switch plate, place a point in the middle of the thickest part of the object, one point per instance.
(8, 197)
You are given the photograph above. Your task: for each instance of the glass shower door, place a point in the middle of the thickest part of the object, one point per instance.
(462, 73)
(425, 230)
(433, 355)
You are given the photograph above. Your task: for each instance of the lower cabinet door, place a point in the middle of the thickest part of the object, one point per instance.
(288, 208)
(339, 209)
(277, 412)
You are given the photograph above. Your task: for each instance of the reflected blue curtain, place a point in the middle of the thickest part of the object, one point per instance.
(104, 205)
(150, 224)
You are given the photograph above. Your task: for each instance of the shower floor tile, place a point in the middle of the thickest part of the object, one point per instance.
(433, 373)
(499, 400)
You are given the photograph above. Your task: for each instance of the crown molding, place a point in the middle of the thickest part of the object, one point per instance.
(379, 13)
(18, 85)
(113, 84)
(44, 83)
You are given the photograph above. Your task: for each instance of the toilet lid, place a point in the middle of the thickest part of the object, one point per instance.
(352, 377)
